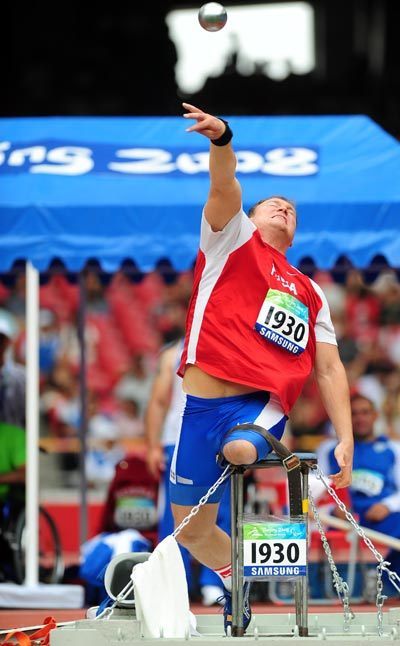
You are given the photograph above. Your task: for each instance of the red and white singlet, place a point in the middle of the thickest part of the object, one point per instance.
(253, 318)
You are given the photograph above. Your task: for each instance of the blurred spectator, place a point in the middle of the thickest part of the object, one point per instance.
(127, 419)
(97, 553)
(308, 419)
(347, 345)
(49, 342)
(171, 317)
(128, 522)
(100, 374)
(12, 375)
(373, 385)
(362, 309)
(335, 294)
(104, 451)
(96, 302)
(60, 407)
(60, 401)
(387, 288)
(135, 384)
(16, 300)
(12, 489)
(67, 413)
(59, 295)
(12, 461)
(391, 405)
(389, 341)
(132, 499)
(375, 488)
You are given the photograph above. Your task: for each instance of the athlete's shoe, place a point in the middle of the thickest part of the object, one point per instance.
(228, 608)
(92, 612)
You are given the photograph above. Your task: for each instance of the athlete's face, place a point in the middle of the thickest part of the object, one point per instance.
(276, 216)
(363, 416)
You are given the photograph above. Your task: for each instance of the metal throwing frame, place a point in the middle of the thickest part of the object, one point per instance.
(237, 505)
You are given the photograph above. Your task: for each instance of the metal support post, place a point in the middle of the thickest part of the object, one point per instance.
(301, 585)
(237, 551)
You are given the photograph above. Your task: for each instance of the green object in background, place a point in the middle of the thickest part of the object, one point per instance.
(12, 452)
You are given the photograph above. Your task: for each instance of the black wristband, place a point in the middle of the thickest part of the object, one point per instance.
(225, 137)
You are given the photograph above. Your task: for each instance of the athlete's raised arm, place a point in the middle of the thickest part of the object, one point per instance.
(225, 196)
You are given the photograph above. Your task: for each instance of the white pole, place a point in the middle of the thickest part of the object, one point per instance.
(32, 426)
(32, 594)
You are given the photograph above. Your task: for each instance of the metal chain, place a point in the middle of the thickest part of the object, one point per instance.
(380, 598)
(225, 475)
(383, 565)
(321, 476)
(341, 586)
(393, 576)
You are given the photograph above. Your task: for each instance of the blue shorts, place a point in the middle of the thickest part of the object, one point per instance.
(205, 423)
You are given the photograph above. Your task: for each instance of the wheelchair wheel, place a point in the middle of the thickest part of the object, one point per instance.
(51, 564)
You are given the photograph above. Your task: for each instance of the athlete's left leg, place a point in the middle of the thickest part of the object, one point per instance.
(210, 582)
(203, 538)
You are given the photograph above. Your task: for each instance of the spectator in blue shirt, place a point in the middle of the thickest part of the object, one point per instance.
(375, 488)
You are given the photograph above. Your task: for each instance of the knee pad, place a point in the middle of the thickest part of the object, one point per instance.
(250, 432)
(262, 438)
(261, 445)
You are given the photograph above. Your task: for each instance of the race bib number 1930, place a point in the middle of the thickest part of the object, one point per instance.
(272, 549)
(283, 320)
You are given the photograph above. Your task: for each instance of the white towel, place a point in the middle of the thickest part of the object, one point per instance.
(161, 594)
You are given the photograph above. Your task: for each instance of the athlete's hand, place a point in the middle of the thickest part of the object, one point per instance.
(377, 512)
(207, 125)
(344, 457)
(155, 460)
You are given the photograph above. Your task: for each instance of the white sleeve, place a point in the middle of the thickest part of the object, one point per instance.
(218, 243)
(393, 502)
(324, 330)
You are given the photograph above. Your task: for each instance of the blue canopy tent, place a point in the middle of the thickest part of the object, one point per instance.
(133, 188)
(107, 188)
